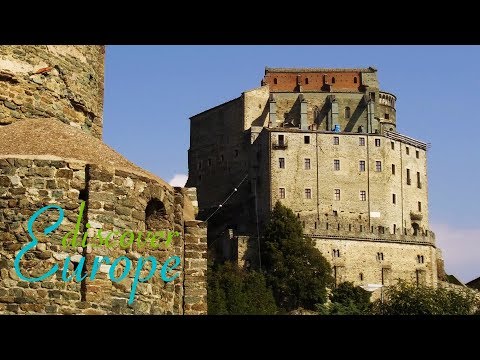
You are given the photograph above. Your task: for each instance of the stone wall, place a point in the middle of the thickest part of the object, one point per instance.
(60, 81)
(116, 200)
(378, 208)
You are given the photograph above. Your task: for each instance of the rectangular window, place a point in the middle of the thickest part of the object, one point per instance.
(308, 193)
(281, 163)
(336, 140)
(337, 194)
(361, 141)
(419, 185)
(362, 165)
(282, 193)
(307, 164)
(363, 195)
(409, 181)
(394, 198)
(281, 140)
(336, 165)
(387, 116)
(417, 154)
(306, 139)
(407, 150)
(393, 145)
(209, 162)
(378, 165)
(419, 206)
(393, 169)
(377, 142)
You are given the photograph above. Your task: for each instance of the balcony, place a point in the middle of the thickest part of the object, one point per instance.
(416, 216)
(279, 145)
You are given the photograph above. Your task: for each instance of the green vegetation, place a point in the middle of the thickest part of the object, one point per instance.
(233, 291)
(347, 299)
(409, 299)
(294, 268)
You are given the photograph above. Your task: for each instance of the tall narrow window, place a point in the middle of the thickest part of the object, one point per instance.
(387, 116)
(363, 195)
(419, 185)
(347, 112)
(394, 228)
(282, 193)
(393, 145)
(306, 81)
(337, 194)
(417, 154)
(362, 165)
(275, 80)
(419, 206)
(281, 163)
(336, 140)
(333, 80)
(209, 162)
(407, 150)
(378, 165)
(336, 165)
(394, 198)
(355, 80)
(308, 193)
(380, 256)
(306, 139)
(281, 140)
(409, 180)
(361, 141)
(236, 153)
(307, 164)
(377, 142)
(393, 169)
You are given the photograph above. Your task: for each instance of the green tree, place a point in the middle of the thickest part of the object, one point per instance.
(347, 299)
(234, 291)
(295, 269)
(406, 298)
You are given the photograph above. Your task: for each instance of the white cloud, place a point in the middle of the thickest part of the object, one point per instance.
(178, 180)
(460, 249)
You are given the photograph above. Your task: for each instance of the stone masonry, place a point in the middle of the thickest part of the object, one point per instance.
(53, 154)
(324, 143)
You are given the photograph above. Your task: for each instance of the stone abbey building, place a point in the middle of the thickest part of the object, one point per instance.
(324, 143)
(51, 152)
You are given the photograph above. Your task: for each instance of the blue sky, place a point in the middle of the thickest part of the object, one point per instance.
(151, 91)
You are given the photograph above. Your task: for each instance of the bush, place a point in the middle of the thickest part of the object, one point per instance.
(347, 299)
(409, 299)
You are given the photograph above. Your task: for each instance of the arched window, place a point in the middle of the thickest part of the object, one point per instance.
(306, 81)
(355, 80)
(275, 80)
(347, 112)
(333, 80)
(156, 217)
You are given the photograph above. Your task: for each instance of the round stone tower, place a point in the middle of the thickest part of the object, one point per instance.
(53, 81)
(387, 111)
